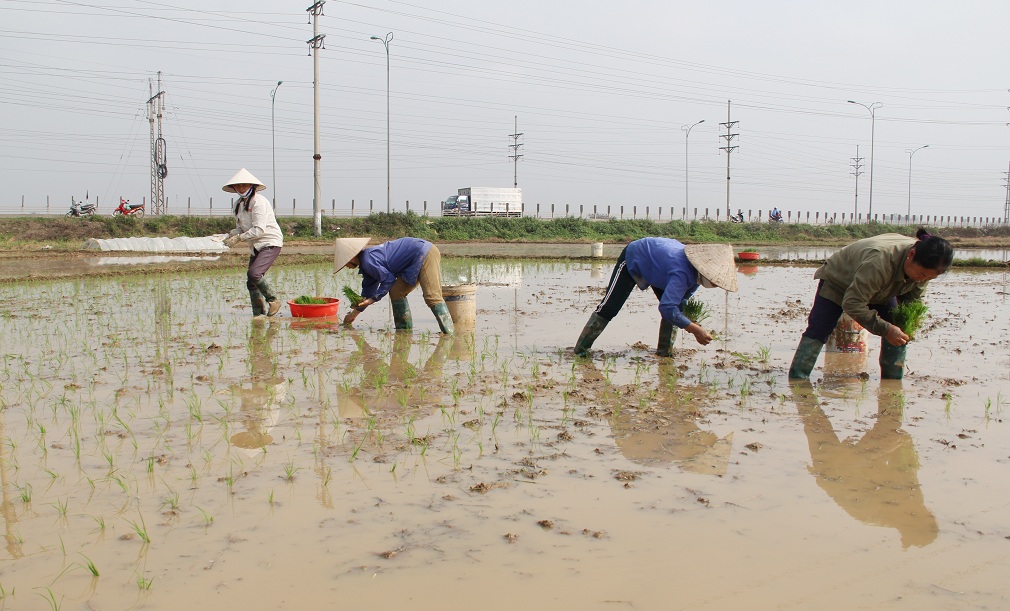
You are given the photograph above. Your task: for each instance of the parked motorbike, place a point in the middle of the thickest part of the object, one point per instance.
(125, 208)
(78, 209)
(737, 218)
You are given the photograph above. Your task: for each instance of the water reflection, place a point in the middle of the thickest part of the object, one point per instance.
(261, 400)
(874, 478)
(667, 430)
(10, 514)
(398, 384)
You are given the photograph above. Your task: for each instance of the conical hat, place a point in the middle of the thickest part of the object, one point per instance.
(346, 248)
(715, 262)
(243, 177)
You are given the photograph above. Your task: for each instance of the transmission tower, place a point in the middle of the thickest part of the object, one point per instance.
(515, 156)
(159, 165)
(856, 166)
(729, 124)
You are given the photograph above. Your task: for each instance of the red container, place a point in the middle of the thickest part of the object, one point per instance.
(315, 310)
(747, 256)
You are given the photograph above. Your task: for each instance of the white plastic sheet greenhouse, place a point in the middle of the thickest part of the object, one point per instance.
(182, 244)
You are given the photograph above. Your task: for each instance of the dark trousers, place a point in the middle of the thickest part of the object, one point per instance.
(620, 286)
(825, 314)
(259, 262)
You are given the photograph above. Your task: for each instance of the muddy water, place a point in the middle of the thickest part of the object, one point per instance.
(298, 463)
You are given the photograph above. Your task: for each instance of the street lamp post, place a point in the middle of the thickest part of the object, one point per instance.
(873, 124)
(687, 136)
(385, 42)
(273, 146)
(911, 152)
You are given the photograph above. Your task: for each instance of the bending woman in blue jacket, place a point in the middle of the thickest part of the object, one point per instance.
(674, 271)
(396, 267)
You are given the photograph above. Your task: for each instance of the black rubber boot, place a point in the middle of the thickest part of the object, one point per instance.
(667, 335)
(805, 358)
(590, 332)
(892, 360)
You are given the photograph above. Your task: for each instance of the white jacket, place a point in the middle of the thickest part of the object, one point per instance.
(258, 226)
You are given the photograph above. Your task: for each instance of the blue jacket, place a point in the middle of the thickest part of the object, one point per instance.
(381, 265)
(662, 263)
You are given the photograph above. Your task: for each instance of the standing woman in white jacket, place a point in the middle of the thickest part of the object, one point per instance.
(256, 224)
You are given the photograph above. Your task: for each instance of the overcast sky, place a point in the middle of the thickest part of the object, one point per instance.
(601, 91)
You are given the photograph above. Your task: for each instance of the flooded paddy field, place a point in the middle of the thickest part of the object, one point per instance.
(160, 449)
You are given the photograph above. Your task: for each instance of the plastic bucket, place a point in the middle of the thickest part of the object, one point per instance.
(315, 310)
(848, 336)
(597, 250)
(461, 300)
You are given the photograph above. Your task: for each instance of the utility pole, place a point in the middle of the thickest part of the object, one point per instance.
(729, 124)
(1006, 206)
(316, 43)
(856, 166)
(515, 156)
(159, 167)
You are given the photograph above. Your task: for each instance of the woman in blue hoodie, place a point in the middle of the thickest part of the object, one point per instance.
(674, 271)
(396, 268)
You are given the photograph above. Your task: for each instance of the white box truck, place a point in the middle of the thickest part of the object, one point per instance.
(485, 201)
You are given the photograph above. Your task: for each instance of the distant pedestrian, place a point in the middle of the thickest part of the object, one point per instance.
(256, 224)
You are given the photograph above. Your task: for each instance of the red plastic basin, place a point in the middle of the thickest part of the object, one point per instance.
(315, 310)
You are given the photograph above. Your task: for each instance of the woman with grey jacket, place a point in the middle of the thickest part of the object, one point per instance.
(256, 224)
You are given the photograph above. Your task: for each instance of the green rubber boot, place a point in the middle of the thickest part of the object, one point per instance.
(273, 306)
(590, 332)
(441, 312)
(258, 305)
(401, 314)
(892, 360)
(667, 335)
(805, 358)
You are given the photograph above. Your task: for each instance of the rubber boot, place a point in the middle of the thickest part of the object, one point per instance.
(401, 314)
(273, 305)
(805, 358)
(892, 360)
(258, 306)
(667, 335)
(590, 332)
(441, 312)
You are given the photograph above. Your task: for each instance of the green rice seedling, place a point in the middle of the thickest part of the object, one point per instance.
(99, 522)
(50, 598)
(908, 316)
(289, 471)
(61, 507)
(306, 300)
(208, 519)
(4, 594)
(144, 583)
(140, 529)
(352, 297)
(90, 566)
(696, 310)
(764, 354)
(25, 493)
(270, 498)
